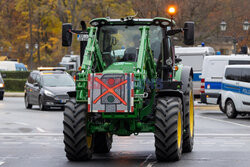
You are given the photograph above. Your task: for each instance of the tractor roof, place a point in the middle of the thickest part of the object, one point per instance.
(161, 21)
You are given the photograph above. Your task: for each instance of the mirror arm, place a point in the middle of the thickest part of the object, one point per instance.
(75, 31)
(174, 31)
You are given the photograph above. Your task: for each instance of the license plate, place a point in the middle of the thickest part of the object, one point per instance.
(63, 101)
(82, 37)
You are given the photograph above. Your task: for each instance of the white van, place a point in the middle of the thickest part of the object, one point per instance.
(212, 75)
(12, 66)
(235, 95)
(193, 56)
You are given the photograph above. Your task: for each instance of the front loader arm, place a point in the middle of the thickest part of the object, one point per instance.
(145, 63)
(92, 59)
(92, 53)
(145, 71)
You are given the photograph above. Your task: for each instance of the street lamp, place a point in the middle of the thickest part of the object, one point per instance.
(27, 46)
(36, 46)
(245, 25)
(223, 27)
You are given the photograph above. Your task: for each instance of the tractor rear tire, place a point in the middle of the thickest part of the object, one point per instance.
(168, 129)
(188, 135)
(78, 145)
(103, 142)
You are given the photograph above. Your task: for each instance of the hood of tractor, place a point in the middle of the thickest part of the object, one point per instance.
(121, 67)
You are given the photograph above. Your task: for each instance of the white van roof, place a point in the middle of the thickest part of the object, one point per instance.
(227, 57)
(238, 66)
(8, 62)
(194, 50)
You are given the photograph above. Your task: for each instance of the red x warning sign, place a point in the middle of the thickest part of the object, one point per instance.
(110, 92)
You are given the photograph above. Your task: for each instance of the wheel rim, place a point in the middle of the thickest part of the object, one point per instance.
(179, 130)
(191, 113)
(89, 141)
(229, 109)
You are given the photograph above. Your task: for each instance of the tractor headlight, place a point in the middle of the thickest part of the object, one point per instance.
(1, 85)
(48, 93)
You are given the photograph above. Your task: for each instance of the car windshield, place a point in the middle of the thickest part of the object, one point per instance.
(57, 80)
(121, 43)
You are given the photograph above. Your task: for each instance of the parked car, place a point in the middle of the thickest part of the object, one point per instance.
(1, 87)
(212, 75)
(12, 66)
(235, 95)
(194, 56)
(48, 87)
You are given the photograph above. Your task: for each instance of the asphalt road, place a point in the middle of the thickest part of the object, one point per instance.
(33, 138)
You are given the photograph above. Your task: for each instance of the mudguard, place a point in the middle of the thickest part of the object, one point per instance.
(185, 73)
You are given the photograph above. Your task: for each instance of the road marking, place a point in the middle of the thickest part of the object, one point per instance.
(200, 135)
(31, 134)
(214, 119)
(151, 164)
(21, 123)
(1, 163)
(40, 143)
(40, 129)
(16, 143)
(232, 143)
(221, 134)
(150, 155)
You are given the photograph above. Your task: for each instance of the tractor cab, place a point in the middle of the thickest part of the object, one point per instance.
(120, 40)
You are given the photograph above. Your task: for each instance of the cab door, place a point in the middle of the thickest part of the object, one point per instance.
(245, 89)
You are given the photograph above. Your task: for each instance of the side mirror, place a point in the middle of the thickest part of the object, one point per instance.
(36, 84)
(178, 60)
(189, 33)
(66, 34)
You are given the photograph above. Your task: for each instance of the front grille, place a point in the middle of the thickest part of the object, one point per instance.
(62, 97)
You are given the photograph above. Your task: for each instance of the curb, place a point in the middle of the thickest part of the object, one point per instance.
(13, 94)
(207, 107)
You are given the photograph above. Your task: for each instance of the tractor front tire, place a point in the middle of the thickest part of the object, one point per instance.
(78, 145)
(168, 129)
(188, 135)
(103, 142)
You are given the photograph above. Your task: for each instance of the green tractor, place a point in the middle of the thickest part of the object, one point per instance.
(129, 82)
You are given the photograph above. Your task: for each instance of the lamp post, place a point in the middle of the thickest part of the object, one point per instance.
(27, 46)
(223, 27)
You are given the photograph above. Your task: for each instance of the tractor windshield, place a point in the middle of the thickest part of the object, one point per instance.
(121, 43)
